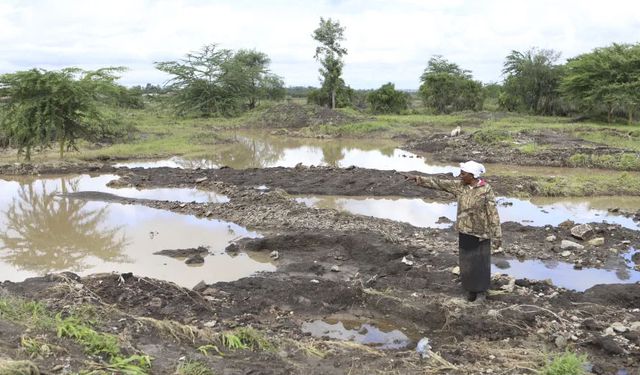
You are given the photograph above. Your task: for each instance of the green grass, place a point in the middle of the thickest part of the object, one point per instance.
(625, 162)
(193, 368)
(588, 185)
(565, 364)
(531, 148)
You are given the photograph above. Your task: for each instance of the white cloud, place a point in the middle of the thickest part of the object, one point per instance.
(387, 40)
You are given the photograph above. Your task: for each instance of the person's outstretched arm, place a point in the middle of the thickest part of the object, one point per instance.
(450, 186)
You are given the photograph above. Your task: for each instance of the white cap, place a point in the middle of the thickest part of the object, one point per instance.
(475, 168)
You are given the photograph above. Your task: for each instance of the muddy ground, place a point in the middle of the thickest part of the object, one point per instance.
(334, 265)
(553, 149)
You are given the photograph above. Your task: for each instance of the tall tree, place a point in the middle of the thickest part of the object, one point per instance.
(216, 81)
(330, 53)
(446, 87)
(41, 107)
(531, 82)
(609, 76)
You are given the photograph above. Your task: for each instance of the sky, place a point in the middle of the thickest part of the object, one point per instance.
(387, 41)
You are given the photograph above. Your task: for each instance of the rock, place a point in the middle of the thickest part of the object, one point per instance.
(613, 251)
(455, 270)
(598, 241)
(565, 253)
(201, 179)
(156, 302)
(582, 231)
(456, 132)
(561, 342)
(636, 258)
(607, 344)
(609, 331)
(335, 269)
(274, 255)
(569, 245)
(635, 326)
(567, 224)
(200, 286)
(619, 327)
(550, 238)
(502, 264)
(406, 261)
(210, 324)
(195, 259)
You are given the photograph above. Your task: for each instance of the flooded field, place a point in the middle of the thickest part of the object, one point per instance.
(43, 233)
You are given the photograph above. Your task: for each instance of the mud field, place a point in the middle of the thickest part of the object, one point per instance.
(553, 149)
(335, 266)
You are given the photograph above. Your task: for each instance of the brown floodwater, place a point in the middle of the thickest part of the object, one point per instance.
(40, 232)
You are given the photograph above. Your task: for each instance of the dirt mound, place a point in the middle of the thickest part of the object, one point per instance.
(300, 116)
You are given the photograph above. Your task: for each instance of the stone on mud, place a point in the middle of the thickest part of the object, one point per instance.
(619, 327)
(582, 231)
(195, 259)
(569, 245)
(550, 238)
(598, 241)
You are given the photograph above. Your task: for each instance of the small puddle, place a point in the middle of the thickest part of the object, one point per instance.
(423, 213)
(563, 274)
(41, 233)
(257, 150)
(374, 335)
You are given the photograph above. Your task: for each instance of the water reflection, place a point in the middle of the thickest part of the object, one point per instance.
(362, 333)
(262, 151)
(424, 213)
(563, 274)
(43, 233)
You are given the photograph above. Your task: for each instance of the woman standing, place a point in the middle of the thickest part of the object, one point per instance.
(477, 222)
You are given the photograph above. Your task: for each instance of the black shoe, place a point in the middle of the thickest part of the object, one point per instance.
(471, 296)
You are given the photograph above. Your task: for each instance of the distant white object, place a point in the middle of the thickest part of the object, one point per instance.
(456, 132)
(423, 348)
(407, 261)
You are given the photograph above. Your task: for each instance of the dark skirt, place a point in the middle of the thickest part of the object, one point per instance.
(475, 263)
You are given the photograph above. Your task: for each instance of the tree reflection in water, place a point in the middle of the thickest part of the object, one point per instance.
(45, 233)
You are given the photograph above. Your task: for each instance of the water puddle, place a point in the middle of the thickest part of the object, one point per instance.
(423, 213)
(563, 274)
(42, 233)
(256, 150)
(68, 184)
(372, 334)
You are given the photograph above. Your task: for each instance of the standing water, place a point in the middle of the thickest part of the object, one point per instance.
(41, 232)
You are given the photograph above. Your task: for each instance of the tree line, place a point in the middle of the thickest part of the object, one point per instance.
(40, 108)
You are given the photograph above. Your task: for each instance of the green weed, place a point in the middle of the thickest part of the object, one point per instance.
(35, 348)
(566, 364)
(29, 313)
(193, 368)
(205, 349)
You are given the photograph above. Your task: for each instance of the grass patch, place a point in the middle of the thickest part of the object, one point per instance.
(589, 185)
(492, 136)
(28, 313)
(193, 368)
(625, 162)
(532, 148)
(566, 364)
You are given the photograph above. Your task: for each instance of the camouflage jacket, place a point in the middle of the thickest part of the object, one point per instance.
(477, 211)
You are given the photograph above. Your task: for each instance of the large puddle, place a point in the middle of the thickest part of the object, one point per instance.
(262, 151)
(563, 274)
(41, 232)
(423, 213)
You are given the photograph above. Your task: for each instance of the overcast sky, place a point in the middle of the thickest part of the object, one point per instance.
(387, 41)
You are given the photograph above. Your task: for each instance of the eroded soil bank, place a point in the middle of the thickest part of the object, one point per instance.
(334, 265)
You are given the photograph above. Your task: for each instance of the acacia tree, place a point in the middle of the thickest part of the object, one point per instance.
(531, 82)
(446, 87)
(40, 107)
(216, 81)
(609, 76)
(330, 53)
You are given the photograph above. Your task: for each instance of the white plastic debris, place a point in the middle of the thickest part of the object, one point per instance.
(423, 348)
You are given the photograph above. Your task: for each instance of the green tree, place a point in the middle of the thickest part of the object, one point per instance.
(41, 107)
(330, 53)
(342, 97)
(607, 76)
(216, 81)
(532, 81)
(387, 99)
(446, 87)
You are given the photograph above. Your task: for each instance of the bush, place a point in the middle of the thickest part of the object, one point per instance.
(387, 99)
